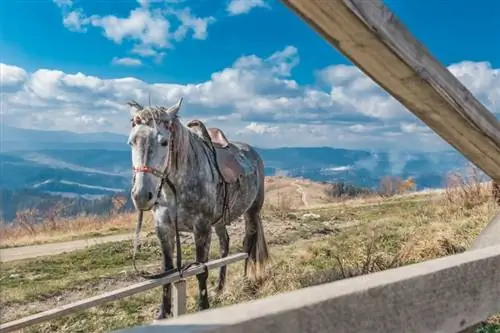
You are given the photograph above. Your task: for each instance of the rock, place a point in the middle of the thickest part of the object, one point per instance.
(310, 216)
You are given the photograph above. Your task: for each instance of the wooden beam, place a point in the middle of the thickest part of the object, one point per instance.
(114, 295)
(371, 36)
(489, 236)
(444, 295)
(179, 294)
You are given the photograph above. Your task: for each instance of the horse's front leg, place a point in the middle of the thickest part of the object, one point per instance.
(166, 236)
(202, 238)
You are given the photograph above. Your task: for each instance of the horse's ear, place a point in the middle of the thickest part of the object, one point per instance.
(174, 109)
(134, 107)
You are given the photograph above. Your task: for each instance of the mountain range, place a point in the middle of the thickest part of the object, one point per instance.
(93, 165)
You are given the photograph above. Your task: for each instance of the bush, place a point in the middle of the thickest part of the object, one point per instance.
(342, 190)
(466, 190)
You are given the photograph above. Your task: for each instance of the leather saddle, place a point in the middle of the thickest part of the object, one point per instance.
(225, 153)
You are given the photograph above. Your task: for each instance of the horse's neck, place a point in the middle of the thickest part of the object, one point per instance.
(192, 155)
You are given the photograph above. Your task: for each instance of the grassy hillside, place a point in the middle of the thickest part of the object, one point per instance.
(311, 244)
(44, 218)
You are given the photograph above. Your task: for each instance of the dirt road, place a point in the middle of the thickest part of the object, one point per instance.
(33, 251)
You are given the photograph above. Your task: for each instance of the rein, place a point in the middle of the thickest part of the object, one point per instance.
(163, 179)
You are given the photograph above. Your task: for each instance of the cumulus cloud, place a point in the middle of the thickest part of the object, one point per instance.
(152, 30)
(256, 99)
(481, 79)
(11, 75)
(239, 7)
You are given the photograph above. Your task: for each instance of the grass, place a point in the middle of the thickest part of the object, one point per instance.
(65, 229)
(332, 242)
(282, 194)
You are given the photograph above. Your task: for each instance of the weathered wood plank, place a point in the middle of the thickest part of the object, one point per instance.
(114, 295)
(444, 295)
(371, 36)
(489, 236)
(179, 300)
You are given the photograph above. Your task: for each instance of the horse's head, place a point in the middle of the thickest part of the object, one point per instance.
(149, 140)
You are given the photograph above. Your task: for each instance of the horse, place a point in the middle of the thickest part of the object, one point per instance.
(194, 179)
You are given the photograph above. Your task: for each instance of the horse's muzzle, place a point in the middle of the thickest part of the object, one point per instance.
(143, 198)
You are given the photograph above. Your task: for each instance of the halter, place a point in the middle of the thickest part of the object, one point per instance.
(155, 172)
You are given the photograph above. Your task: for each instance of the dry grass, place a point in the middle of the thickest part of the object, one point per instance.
(64, 229)
(283, 195)
(338, 241)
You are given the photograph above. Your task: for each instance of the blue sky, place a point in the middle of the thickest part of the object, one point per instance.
(175, 47)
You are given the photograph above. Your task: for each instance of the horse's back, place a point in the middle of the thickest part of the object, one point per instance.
(250, 153)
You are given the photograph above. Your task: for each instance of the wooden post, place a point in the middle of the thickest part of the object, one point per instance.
(179, 297)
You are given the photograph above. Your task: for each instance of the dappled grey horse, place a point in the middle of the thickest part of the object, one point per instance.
(193, 177)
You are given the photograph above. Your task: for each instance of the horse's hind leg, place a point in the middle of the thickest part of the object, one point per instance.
(223, 236)
(202, 238)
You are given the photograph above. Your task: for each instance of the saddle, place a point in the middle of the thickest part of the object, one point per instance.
(225, 154)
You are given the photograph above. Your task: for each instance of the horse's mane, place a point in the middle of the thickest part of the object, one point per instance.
(186, 148)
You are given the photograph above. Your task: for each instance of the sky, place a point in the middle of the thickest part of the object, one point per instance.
(250, 67)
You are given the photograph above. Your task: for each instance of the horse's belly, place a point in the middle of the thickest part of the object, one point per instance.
(243, 197)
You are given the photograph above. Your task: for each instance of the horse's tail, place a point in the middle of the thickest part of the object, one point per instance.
(255, 241)
(256, 247)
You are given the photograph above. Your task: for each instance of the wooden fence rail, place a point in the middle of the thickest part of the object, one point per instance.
(444, 295)
(179, 295)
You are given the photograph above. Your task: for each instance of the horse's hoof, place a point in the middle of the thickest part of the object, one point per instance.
(161, 314)
(203, 307)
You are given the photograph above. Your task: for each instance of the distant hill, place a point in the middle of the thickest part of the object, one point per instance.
(89, 166)
(102, 171)
(43, 204)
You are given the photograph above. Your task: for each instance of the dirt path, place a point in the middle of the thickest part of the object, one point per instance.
(302, 194)
(33, 251)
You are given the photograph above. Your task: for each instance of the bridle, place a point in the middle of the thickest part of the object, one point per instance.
(164, 179)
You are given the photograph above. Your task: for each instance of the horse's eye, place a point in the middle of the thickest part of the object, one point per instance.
(163, 143)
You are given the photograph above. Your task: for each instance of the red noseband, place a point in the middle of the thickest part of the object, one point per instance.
(143, 168)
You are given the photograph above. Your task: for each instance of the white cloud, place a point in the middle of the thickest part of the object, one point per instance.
(253, 127)
(151, 30)
(238, 7)
(414, 128)
(63, 3)
(481, 79)
(11, 75)
(198, 25)
(256, 99)
(347, 82)
(76, 21)
(143, 26)
(131, 62)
